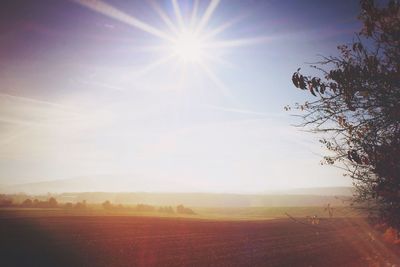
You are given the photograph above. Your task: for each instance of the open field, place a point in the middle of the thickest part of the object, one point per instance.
(212, 213)
(96, 240)
(266, 213)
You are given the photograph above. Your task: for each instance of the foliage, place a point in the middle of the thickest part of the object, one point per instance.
(80, 205)
(27, 203)
(166, 209)
(106, 205)
(53, 202)
(184, 210)
(357, 109)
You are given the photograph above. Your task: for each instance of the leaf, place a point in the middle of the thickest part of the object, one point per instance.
(312, 91)
(302, 83)
(295, 79)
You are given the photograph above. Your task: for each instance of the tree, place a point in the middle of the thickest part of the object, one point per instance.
(106, 205)
(184, 210)
(356, 109)
(68, 205)
(27, 203)
(6, 202)
(81, 205)
(53, 202)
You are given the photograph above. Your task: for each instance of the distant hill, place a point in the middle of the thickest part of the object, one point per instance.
(322, 191)
(80, 184)
(98, 189)
(136, 183)
(207, 199)
(56, 186)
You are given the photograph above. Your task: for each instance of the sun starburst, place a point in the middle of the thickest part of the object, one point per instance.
(188, 47)
(185, 41)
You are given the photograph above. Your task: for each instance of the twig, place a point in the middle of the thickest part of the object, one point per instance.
(304, 223)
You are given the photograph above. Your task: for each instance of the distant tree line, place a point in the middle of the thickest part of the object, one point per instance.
(29, 203)
(50, 203)
(22, 201)
(184, 210)
(180, 209)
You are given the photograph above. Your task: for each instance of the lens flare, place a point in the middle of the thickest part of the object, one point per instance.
(188, 40)
(188, 47)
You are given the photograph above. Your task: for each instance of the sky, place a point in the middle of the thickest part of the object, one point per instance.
(165, 95)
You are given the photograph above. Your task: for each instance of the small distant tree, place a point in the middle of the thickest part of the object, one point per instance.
(106, 205)
(81, 205)
(27, 203)
(356, 108)
(184, 210)
(52, 202)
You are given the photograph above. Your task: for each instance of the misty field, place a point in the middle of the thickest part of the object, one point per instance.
(63, 240)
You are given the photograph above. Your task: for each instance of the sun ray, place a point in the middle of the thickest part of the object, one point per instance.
(164, 17)
(178, 14)
(190, 42)
(100, 84)
(48, 104)
(151, 48)
(154, 65)
(220, 61)
(239, 42)
(221, 28)
(182, 78)
(207, 15)
(112, 12)
(193, 17)
(224, 89)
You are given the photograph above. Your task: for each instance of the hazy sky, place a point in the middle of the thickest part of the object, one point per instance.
(88, 89)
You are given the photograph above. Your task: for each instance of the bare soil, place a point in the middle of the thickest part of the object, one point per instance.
(146, 241)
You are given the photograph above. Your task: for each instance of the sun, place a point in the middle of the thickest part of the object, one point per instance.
(188, 47)
(189, 38)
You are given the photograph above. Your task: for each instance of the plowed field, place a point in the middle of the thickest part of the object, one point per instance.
(146, 241)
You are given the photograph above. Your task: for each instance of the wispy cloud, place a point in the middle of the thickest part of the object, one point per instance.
(244, 111)
(30, 111)
(101, 84)
(20, 99)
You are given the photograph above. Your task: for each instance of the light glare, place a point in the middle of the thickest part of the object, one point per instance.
(188, 47)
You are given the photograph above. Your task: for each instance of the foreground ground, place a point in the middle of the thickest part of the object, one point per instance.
(44, 240)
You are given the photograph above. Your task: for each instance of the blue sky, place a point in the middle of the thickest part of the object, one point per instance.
(81, 96)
